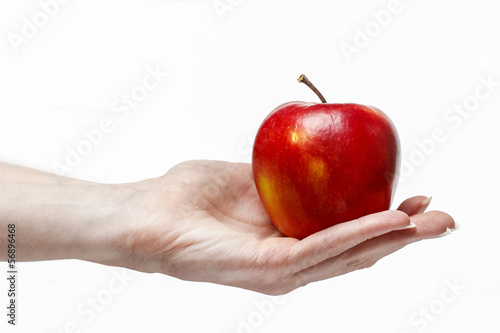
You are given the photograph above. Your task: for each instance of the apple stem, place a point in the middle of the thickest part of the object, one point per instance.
(305, 80)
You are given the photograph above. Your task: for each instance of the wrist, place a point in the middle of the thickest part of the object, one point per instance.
(101, 220)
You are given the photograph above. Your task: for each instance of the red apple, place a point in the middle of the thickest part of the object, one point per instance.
(319, 164)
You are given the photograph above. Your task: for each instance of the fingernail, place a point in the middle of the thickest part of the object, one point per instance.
(424, 204)
(446, 233)
(410, 226)
(456, 227)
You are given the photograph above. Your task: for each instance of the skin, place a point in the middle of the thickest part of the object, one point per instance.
(201, 221)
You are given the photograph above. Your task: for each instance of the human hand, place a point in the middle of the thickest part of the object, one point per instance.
(204, 221)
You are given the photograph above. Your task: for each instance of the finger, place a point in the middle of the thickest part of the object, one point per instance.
(429, 225)
(433, 224)
(415, 205)
(341, 237)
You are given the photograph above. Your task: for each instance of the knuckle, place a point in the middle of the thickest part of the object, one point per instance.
(363, 228)
(350, 264)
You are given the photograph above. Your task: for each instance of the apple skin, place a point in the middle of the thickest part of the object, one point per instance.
(319, 164)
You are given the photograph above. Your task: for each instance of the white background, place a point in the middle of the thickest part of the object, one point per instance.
(227, 71)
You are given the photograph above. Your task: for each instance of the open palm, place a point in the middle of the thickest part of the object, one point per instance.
(204, 221)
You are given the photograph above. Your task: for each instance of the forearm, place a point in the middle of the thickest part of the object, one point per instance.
(58, 217)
